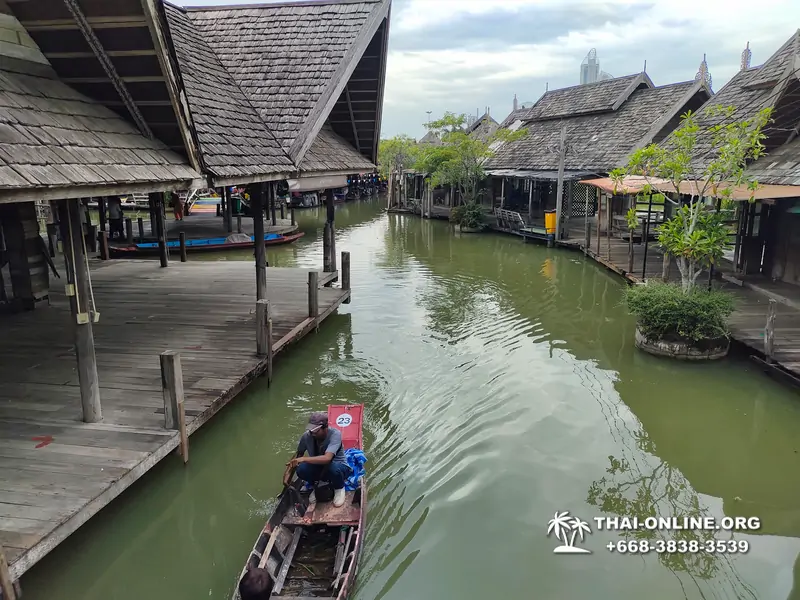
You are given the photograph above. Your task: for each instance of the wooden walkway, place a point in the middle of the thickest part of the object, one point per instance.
(55, 471)
(205, 225)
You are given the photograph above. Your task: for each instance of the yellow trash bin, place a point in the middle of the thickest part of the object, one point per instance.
(550, 222)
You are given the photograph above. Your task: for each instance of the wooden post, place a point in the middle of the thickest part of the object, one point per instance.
(271, 196)
(182, 238)
(157, 202)
(599, 218)
(52, 236)
(140, 223)
(646, 233)
(313, 294)
(562, 157)
(609, 225)
(346, 273)
(104, 245)
(238, 223)
(92, 237)
(101, 208)
(257, 208)
(665, 267)
(587, 229)
(77, 273)
(502, 192)
(6, 583)
(172, 393)
(129, 230)
(291, 213)
(262, 314)
(630, 247)
(226, 192)
(769, 330)
(326, 248)
(283, 211)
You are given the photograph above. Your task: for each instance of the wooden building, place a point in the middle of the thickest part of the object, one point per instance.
(595, 126)
(484, 127)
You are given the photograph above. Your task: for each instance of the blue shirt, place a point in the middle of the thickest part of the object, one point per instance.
(332, 443)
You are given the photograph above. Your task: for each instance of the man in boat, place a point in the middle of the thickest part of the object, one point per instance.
(325, 460)
(256, 584)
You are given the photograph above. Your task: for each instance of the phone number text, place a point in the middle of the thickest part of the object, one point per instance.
(679, 546)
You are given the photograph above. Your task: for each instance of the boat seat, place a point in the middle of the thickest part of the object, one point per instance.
(325, 513)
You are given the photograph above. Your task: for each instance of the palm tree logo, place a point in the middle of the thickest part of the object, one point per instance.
(566, 529)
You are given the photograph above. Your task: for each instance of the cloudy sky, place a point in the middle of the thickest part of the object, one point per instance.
(463, 55)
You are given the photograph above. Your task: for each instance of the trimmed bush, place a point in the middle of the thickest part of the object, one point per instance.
(468, 215)
(665, 312)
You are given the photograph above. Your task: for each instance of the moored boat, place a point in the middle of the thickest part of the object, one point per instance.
(312, 551)
(204, 244)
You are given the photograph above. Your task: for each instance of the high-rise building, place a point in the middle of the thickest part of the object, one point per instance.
(590, 69)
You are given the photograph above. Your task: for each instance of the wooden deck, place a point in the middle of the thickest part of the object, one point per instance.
(55, 471)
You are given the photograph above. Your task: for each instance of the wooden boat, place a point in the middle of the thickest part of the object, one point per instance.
(312, 551)
(201, 245)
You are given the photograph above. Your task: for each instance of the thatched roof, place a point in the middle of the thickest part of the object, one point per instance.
(57, 143)
(779, 167)
(600, 141)
(235, 143)
(430, 138)
(300, 62)
(331, 154)
(769, 85)
(602, 96)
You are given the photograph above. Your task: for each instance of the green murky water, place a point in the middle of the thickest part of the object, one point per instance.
(501, 385)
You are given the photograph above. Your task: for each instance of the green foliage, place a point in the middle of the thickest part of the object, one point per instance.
(468, 215)
(459, 160)
(396, 154)
(631, 218)
(665, 310)
(700, 162)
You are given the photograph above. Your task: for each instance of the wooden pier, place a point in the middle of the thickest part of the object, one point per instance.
(56, 471)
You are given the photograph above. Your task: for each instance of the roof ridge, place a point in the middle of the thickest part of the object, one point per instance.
(585, 85)
(284, 4)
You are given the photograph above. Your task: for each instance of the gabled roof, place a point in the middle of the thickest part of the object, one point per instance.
(601, 142)
(297, 63)
(54, 139)
(514, 116)
(748, 92)
(331, 154)
(589, 98)
(235, 144)
(485, 117)
(779, 167)
(430, 138)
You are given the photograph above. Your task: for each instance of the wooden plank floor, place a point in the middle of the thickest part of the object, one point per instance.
(55, 471)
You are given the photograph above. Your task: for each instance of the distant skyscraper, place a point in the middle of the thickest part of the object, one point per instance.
(590, 68)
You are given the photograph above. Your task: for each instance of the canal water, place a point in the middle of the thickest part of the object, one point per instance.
(501, 386)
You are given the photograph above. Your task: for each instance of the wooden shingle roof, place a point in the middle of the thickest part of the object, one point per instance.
(54, 138)
(779, 167)
(600, 142)
(330, 153)
(584, 99)
(235, 144)
(294, 60)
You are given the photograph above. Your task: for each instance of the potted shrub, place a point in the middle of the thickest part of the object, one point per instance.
(677, 324)
(682, 320)
(468, 217)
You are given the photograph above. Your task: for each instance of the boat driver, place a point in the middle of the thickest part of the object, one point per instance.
(325, 460)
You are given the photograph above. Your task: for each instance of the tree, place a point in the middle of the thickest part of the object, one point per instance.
(700, 162)
(396, 153)
(459, 160)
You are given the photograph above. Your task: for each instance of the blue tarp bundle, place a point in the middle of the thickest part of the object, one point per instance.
(355, 459)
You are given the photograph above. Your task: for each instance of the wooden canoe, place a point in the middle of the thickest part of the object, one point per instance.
(200, 245)
(314, 554)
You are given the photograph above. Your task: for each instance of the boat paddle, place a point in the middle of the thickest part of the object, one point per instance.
(294, 494)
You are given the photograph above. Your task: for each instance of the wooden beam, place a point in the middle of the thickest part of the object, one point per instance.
(6, 583)
(110, 53)
(352, 118)
(108, 66)
(172, 393)
(133, 79)
(126, 22)
(79, 292)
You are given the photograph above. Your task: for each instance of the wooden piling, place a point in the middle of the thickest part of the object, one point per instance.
(262, 314)
(599, 219)
(332, 246)
(346, 274)
(326, 248)
(769, 330)
(182, 242)
(313, 294)
(291, 214)
(157, 202)
(238, 223)
(271, 195)
(104, 245)
(101, 209)
(77, 275)
(129, 230)
(630, 250)
(283, 211)
(140, 223)
(172, 392)
(52, 237)
(609, 225)
(6, 583)
(93, 237)
(257, 208)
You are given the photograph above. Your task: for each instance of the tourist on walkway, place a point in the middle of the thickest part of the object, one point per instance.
(115, 217)
(177, 206)
(325, 460)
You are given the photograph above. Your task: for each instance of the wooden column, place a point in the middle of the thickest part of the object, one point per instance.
(587, 239)
(104, 254)
(271, 196)
(609, 220)
(159, 227)
(101, 209)
(226, 191)
(6, 584)
(562, 154)
(27, 265)
(128, 230)
(346, 273)
(646, 234)
(264, 334)
(182, 245)
(291, 214)
(78, 290)
(326, 248)
(769, 330)
(140, 223)
(313, 296)
(238, 223)
(172, 393)
(599, 218)
(530, 200)
(257, 207)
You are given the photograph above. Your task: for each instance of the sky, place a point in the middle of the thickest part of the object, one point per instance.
(465, 55)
